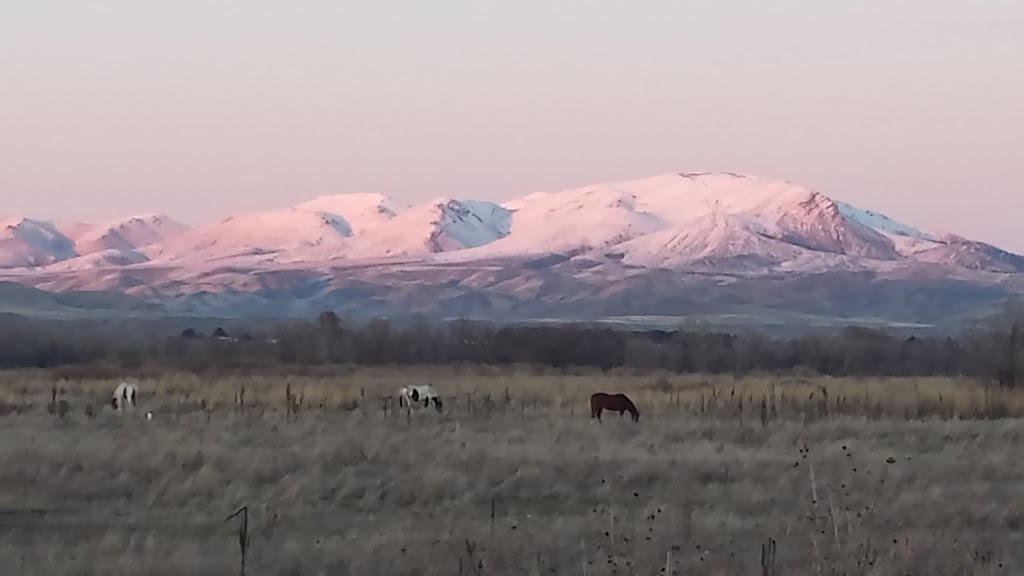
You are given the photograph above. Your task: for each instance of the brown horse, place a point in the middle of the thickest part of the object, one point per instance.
(615, 402)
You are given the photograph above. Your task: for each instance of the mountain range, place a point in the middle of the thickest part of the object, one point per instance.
(709, 245)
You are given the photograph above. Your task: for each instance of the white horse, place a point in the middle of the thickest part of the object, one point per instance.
(419, 393)
(124, 396)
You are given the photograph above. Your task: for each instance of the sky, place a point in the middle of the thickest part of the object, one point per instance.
(204, 108)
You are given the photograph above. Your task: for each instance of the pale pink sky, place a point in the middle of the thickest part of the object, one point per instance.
(203, 108)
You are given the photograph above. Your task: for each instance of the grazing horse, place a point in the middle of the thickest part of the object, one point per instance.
(419, 393)
(615, 402)
(124, 396)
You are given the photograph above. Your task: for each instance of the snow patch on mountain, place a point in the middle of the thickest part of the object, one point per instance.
(110, 258)
(971, 255)
(255, 234)
(712, 236)
(363, 211)
(880, 222)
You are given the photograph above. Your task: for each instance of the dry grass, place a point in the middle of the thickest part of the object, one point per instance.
(863, 477)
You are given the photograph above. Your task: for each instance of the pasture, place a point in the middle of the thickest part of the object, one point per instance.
(757, 475)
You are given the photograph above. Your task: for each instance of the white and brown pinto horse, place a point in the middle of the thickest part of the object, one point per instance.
(416, 393)
(125, 396)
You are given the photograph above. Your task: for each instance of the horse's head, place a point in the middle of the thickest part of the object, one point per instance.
(437, 403)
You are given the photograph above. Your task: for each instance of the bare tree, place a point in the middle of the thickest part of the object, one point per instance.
(1008, 376)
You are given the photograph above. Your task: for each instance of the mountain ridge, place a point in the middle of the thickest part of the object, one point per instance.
(592, 248)
(590, 218)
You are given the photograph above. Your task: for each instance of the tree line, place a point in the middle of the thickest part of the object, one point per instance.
(989, 353)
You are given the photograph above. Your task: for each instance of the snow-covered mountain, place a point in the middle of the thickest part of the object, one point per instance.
(674, 221)
(29, 243)
(129, 233)
(441, 225)
(329, 228)
(721, 220)
(570, 244)
(648, 220)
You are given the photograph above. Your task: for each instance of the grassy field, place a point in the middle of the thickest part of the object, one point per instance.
(834, 476)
